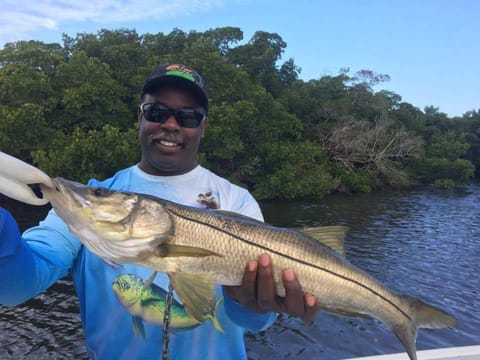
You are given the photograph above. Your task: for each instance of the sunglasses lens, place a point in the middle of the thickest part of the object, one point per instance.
(157, 115)
(187, 118)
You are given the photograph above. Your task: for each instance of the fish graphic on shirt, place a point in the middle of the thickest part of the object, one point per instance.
(148, 302)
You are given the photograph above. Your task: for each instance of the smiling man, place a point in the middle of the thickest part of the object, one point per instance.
(172, 120)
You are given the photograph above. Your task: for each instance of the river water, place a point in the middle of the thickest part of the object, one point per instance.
(423, 242)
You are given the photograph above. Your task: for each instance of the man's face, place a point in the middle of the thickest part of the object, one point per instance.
(168, 148)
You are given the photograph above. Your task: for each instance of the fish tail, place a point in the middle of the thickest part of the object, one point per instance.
(423, 316)
(407, 334)
(430, 317)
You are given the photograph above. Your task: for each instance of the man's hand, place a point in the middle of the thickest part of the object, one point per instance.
(257, 291)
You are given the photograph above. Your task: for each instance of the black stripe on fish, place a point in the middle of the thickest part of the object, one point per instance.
(170, 209)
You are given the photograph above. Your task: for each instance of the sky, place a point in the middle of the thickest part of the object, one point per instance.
(429, 48)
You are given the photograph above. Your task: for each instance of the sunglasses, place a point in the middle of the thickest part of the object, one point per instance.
(187, 118)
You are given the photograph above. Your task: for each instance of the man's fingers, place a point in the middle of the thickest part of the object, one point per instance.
(266, 297)
(294, 298)
(258, 291)
(248, 287)
(245, 293)
(311, 308)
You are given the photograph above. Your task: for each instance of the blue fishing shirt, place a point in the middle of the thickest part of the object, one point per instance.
(31, 263)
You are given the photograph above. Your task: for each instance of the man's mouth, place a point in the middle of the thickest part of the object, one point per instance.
(168, 143)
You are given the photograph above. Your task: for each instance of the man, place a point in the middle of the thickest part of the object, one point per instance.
(172, 119)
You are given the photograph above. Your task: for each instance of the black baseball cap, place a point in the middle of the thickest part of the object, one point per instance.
(180, 75)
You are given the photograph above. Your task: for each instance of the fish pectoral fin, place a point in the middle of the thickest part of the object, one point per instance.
(172, 250)
(138, 327)
(197, 292)
(214, 319)
(331, 236)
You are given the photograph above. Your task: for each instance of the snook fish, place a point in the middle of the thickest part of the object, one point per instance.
(198, 248)
(148, 303)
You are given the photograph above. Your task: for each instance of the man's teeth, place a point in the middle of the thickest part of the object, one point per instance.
(167, 143)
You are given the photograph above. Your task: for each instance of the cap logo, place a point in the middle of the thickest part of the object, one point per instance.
(179, 70)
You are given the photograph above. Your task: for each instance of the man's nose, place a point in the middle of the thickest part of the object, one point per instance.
(171, 123)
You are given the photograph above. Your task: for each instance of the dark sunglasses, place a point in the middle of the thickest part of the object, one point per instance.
(156, 112)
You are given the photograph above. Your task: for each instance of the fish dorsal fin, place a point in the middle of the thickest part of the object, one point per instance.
(197, 292)
(331, 236)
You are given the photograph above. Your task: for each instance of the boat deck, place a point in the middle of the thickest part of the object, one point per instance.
(453, 353)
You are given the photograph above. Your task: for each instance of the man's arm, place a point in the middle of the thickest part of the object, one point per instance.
(32, 263)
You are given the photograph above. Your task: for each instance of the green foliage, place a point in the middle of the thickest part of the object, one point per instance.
(95, 153)
(23, 129)
(70, 108)
(353, 181)
(89, 96)
(294, 170)
(444, 183)
(432, 169)
(450, 145)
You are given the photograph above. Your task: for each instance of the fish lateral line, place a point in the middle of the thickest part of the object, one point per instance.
(269, 250)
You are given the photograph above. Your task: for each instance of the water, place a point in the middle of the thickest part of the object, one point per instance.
(423, 242)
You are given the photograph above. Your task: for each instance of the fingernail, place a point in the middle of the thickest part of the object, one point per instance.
(289, 275)
(310, 300)
(252, 266)
(265, 260)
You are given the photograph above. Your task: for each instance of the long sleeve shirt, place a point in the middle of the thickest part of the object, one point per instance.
(31, 263)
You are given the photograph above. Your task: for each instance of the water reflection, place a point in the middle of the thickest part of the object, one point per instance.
(423, 242)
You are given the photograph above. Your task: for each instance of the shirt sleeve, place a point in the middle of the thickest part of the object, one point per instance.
(249, 320)
(244, 203)
(32, 263)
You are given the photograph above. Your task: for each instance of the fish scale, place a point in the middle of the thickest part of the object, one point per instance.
(218, 233)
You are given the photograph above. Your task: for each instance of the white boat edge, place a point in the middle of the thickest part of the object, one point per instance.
(451, 353)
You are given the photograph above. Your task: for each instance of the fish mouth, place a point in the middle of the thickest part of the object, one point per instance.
(66, 189)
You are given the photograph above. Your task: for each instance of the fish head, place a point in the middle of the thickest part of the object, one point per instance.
(117, 226)
(128, 289)
(98, 204)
